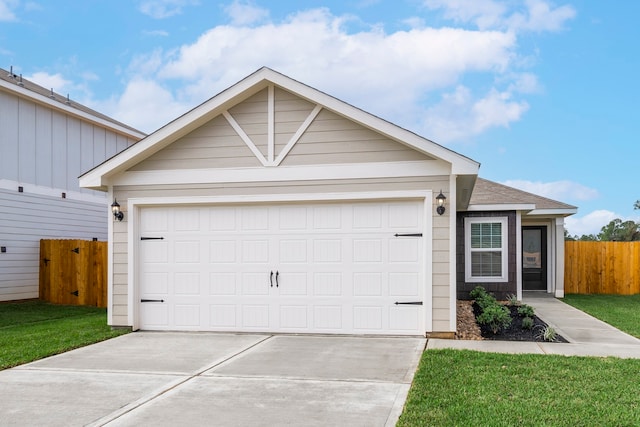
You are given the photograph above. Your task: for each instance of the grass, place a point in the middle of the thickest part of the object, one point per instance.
(621, 311)
(464, 388)
(32, 330)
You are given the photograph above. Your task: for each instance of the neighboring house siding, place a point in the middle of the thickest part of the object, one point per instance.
(439, 236)
(502, 289)
(50, 149)
(44, 150)
(27, 218)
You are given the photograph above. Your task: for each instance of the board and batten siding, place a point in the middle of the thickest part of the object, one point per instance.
(25, 219)
(47, 148)
(44, 150)
(440, 234)
(329, 139)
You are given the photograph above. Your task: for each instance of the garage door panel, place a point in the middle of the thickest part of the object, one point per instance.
(403, 318)
(186, 284)
(340, 268)
(367, 284)
(155, 283)
(256, 284)
(223, 284)
(367, 216)
(255, 316)
(404, 250)
(294, 251)
(187, 315)
(255, 251)
(327, 284)
(327, 217)
(292, 218)
(155, 220)
(367, 318)
(292, 283)
(222, 251)
(327, 250)
(187, 251)
(404, 284)
(328, 318)
(223, 316)
(223, 219)
(294, 317)
(367, 250)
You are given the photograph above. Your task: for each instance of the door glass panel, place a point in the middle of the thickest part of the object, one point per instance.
(532, 249)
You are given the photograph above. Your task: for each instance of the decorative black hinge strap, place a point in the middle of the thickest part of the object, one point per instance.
(409, 303)
(151, 300)
(152, 238)
(408, 235)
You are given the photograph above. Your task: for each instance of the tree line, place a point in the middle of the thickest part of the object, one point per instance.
(616, 231)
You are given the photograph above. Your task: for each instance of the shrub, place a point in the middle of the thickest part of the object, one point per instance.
(546, 333)
(512, 300)
(525, 311)
(496, 316)
(527, 323)
(477, 292)
(485, 301)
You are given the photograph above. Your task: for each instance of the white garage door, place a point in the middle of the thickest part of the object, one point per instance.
(296, 268)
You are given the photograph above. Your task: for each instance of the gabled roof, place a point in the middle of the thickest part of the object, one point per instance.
(27, 89)
(98, 178)
(488, 195)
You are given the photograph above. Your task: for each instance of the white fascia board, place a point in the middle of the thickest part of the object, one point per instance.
(250, 85)
(56, 105)
(461, 165)
(502, 207)
(553, 212)
(164, 136)
(284, 173)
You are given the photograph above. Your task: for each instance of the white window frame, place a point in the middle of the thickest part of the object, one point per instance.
(504, 221)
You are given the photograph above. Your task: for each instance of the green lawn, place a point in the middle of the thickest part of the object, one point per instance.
(467, 388)
(621, 311)
(34, 329)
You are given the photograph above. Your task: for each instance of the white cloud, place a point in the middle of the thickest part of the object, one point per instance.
(557, 190)
(6, 10)
(245, 13)
(387, 74)
(160, 9)
(51, 81)
(155, 33)
(591, 223)
(533, 15)
(459, 116)
(145, 105)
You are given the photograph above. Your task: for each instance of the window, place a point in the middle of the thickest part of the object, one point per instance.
(486, 249)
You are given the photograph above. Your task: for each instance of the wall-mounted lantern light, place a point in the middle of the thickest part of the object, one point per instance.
(440, 198)
(117, 213)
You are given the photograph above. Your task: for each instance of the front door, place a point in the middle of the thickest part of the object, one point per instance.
(534, 258)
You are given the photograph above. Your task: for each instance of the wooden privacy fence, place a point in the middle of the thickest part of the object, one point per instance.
(602, 268)
(73, 272)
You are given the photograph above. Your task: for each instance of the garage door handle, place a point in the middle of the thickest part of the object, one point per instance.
(271, 278)
(277, 274)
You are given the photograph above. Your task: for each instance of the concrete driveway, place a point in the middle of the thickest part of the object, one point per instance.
(156, 379)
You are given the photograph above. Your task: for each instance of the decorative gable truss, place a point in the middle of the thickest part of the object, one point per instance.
(273, 157)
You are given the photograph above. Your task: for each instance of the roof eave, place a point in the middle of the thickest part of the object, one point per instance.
(553, 212)
(523, 207)
(53, 104)
(460, 165)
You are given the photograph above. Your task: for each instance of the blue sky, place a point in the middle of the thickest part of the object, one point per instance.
(544, 94)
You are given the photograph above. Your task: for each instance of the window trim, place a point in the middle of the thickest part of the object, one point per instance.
(504, 222)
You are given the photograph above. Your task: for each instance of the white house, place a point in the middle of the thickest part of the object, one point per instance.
(46, 141)
(274, 207)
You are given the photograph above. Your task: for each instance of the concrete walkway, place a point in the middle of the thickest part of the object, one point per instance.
(587, 335)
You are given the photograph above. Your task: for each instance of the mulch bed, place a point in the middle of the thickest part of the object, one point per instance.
(468, 328)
